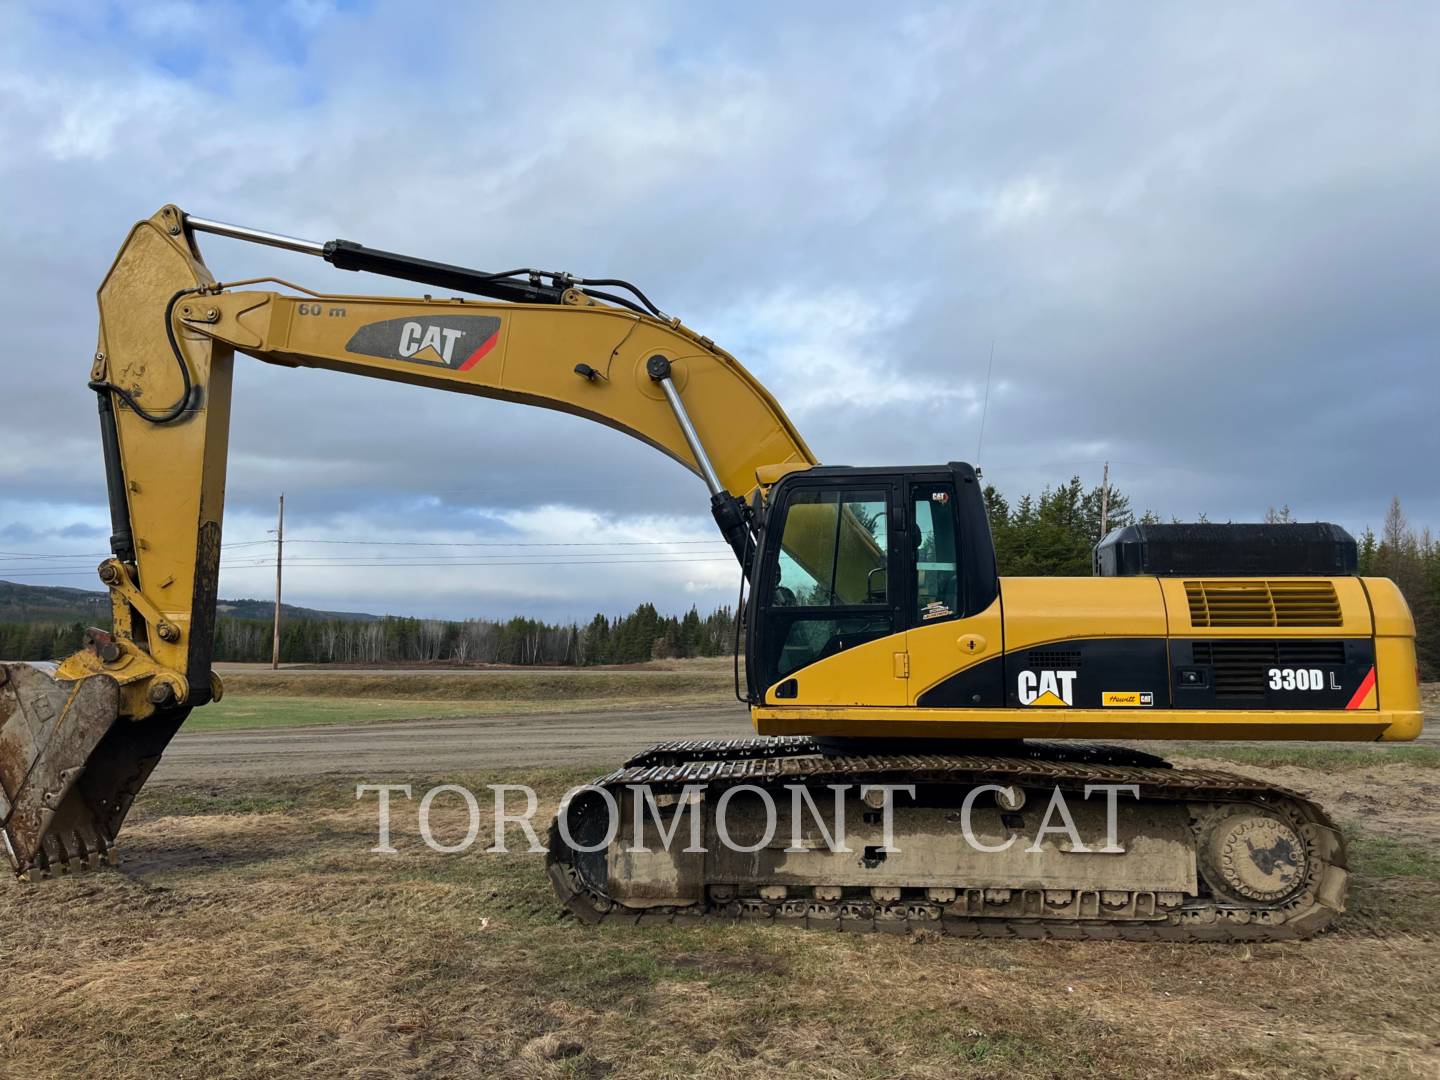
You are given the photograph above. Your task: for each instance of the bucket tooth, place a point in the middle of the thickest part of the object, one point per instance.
(59, 854)
(82, 851)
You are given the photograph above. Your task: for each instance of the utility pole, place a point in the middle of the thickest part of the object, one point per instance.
(279, 557)
(1104, 503)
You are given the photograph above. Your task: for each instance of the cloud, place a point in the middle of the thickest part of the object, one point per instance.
(1201, 242)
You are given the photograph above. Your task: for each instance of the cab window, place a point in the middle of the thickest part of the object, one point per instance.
(833, 552)
(936, 574)
(831, 586)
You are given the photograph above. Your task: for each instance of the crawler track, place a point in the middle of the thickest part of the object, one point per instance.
(1311, 845)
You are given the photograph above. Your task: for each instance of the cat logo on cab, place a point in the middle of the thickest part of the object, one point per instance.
(1052, 689)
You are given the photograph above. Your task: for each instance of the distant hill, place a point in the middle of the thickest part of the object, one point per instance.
(56, 604)
(265, 609)
(51, 603)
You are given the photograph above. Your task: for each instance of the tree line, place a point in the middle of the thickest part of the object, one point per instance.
(642, 635)
(1054, 533)
(1412, 560)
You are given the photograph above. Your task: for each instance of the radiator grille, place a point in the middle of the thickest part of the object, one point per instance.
(1241, 668)
(1262, 603)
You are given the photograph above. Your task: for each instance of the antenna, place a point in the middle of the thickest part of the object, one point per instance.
(985, 409)
(1105, 501)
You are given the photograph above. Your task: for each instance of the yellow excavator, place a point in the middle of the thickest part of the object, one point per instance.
(885, 659)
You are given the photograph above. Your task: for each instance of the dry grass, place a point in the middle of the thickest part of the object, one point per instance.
(256, 697)
(1327, 757)
(253, 934)
(503, 686)
(251, 712)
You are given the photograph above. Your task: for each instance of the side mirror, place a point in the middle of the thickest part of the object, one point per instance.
(873, 596)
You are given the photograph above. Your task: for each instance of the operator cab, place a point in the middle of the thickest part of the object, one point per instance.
(850, 555)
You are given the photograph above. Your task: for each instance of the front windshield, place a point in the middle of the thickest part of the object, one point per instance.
(833, 551)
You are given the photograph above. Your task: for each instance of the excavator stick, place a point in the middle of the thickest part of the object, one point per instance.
(78, 739)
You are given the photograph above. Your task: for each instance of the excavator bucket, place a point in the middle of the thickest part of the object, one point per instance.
(69, 768)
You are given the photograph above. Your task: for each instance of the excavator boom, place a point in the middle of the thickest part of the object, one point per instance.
(76, 747)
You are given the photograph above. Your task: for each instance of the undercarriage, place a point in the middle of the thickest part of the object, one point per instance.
(969, 844)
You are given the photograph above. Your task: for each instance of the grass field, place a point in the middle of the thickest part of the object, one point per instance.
(260, 698)
(252, 933)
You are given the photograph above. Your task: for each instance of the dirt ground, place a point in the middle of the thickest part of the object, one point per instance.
(252, 932)
(429, 747)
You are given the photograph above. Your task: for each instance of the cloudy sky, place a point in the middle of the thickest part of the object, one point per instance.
(1204, 243)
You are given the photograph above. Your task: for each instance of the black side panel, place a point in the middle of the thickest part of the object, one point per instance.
(1234, 673)
(1078, 674)
(979, 686)
(1138, 666)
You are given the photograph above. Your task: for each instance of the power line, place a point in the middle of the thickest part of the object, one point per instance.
(578, 558)
(440, 557)
(534, 562)
(507, 543)
(398, 543)
(45, 555)
(270, 564)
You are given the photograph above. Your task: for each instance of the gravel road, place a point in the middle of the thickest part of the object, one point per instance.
(430, 747)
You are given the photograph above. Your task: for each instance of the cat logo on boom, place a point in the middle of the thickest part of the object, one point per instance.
(1047, 688)
(433, 343)
(458, 342)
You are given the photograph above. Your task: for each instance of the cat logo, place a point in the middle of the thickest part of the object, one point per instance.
(457, 342)
(433, 343)
(1047, 688)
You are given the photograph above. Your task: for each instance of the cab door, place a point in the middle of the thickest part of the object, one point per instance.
(952, 611)
(828, 628)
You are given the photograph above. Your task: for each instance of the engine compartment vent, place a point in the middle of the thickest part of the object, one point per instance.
(1239, 667)
(1216, 604)
(1054, 659)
